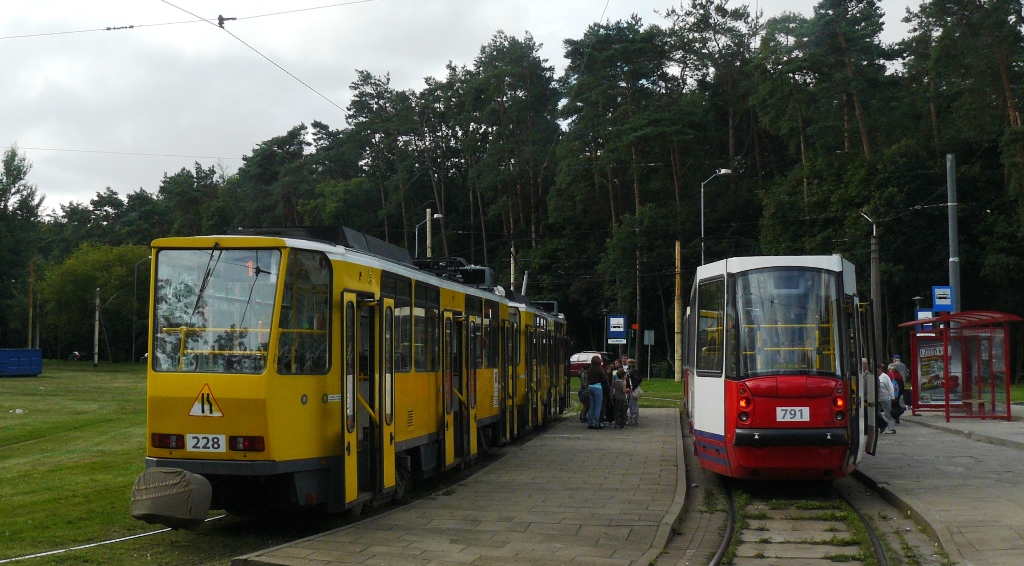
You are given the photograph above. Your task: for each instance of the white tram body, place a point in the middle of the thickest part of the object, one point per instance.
(773, 350)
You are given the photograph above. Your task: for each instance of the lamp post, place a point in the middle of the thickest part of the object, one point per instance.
(135, 300)
(717, 173)
(430, 217)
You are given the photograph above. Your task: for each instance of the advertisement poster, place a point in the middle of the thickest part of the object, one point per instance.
(929, 373)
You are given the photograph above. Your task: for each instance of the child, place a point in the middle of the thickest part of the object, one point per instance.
(619, 400)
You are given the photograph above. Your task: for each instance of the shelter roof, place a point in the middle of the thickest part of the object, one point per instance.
(968, 318)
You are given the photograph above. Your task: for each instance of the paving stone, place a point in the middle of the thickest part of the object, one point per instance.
(531, 507)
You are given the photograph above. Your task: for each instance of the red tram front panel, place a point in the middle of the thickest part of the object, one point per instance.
(773, 352)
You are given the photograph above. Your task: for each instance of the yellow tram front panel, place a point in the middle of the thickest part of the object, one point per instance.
(227, 322)
(209, 410)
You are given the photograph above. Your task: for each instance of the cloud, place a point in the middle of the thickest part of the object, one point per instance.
(192, 89)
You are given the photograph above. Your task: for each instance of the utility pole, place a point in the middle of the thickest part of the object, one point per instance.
(31, 291)
(679, 314)
(954, 245)
(96, 333)
(512, 268)
(876, 292)
(430, 234)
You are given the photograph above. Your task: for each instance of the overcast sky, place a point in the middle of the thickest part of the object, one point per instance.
(191, 92)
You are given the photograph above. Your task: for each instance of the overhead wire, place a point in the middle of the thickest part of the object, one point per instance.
(257, 51)
(196, 21)
(117, 152)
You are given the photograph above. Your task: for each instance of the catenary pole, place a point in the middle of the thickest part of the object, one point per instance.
(876, 291)
(679, 315)
(954, 246)
(96, 333)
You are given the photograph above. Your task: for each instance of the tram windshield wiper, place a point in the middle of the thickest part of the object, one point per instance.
(257, 270)
(206, 280)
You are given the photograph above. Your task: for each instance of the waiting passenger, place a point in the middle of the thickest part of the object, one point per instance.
(619, 399)
(595, 391)
(885, 397)
(632, 385)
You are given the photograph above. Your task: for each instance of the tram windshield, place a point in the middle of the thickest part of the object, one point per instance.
(214, 309)
(787, 321)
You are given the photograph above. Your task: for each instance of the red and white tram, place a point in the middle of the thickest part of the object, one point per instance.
(775, 387)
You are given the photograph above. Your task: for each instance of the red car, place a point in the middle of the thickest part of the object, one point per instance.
(580, 360)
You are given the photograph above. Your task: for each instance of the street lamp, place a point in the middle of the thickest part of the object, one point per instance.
(717, 173)
(135, 300)
(430, 217)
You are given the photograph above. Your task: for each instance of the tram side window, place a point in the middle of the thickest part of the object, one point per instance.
(491, 335)
(477, 339)
(304, 344)
(403, 325)
(427, 328)
(710, 318)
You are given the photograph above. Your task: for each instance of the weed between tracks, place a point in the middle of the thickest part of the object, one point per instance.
(830, 509)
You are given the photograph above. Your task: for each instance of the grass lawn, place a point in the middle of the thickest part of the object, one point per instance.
(1017, 393)
(657, 393)
(68, 460)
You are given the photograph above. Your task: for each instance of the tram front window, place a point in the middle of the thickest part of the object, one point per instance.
(214, 309)
(787, 322)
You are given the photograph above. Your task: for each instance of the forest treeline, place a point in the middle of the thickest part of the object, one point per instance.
(591, 176)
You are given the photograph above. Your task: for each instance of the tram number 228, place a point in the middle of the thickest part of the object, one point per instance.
(206, 443)
(792, 414)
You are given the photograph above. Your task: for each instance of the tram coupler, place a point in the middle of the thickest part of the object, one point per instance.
(171, 497)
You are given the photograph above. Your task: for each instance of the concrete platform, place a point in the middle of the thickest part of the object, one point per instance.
(576, 496)
(964, 479)
(567, 496)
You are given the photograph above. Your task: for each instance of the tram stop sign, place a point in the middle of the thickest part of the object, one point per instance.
(616, 325)
(648, 337)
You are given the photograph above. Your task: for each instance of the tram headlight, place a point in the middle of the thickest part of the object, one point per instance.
(840, 416)
(744, 403)
(838, 402)
(744, 417)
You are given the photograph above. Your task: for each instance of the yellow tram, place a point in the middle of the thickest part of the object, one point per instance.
(293, 371)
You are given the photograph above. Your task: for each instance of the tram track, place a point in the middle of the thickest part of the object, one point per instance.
(795, 524)
(766, 523)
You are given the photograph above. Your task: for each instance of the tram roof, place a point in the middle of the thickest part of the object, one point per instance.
(834, 263)
(738, 264)
(354, 255)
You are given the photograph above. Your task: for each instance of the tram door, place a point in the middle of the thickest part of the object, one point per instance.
(869, 381)
(851, 370)
(453, 390)
(531, 381)
(474, 360)
(511, 381)
(350, 440)
(361, 430)
(386, 393)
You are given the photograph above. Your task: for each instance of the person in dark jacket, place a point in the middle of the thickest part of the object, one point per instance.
(595, 391)
(583, 394)
(619, 400)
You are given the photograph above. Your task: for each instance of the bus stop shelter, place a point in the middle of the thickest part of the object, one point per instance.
(960, 364)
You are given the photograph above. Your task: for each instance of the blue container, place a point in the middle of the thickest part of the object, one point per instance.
(20, 362)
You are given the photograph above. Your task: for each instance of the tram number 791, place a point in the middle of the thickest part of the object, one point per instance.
(792, 414)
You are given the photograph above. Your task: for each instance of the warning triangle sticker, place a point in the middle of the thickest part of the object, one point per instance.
(205, 404)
